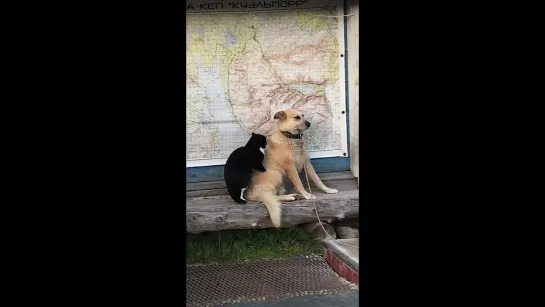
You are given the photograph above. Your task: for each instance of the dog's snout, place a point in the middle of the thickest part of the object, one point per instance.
(307, 123)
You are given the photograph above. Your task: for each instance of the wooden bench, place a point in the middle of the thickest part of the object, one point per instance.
(209, 207)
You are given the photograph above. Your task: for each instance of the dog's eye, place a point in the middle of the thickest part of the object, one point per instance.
(297, 117)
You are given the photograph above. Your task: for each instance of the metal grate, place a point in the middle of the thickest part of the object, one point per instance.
(220, 284)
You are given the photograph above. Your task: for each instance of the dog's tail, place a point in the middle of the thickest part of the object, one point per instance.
(274, 206)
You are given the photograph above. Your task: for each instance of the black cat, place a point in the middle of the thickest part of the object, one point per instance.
(240, 165)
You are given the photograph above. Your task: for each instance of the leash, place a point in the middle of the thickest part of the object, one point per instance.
(318, 216)
(291, 145)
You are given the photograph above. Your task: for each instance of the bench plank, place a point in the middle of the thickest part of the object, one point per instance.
(206, 185)
(215, 188)
(352, 183)
(215, 173)
(213, 213)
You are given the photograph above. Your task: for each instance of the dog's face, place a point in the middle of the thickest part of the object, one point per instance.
(292, 121)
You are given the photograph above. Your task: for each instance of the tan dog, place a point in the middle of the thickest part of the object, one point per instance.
(285, 157)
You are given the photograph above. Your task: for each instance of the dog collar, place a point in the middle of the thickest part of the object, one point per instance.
(292, 136)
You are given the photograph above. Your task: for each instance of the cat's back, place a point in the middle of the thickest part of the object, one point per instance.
(242, 158)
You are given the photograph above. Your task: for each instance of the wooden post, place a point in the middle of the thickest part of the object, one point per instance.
(353, 59)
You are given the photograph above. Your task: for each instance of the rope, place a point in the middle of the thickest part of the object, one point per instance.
(318, 216)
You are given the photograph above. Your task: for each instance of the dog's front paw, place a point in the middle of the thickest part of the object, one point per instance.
(331, 191)
(309, 196)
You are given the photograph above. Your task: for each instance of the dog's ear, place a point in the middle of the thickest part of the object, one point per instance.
(253, 134)
(280, 115)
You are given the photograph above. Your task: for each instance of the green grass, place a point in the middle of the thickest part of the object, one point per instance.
(226, 246)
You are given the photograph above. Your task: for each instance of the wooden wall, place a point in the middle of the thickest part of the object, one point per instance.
(353, 82)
